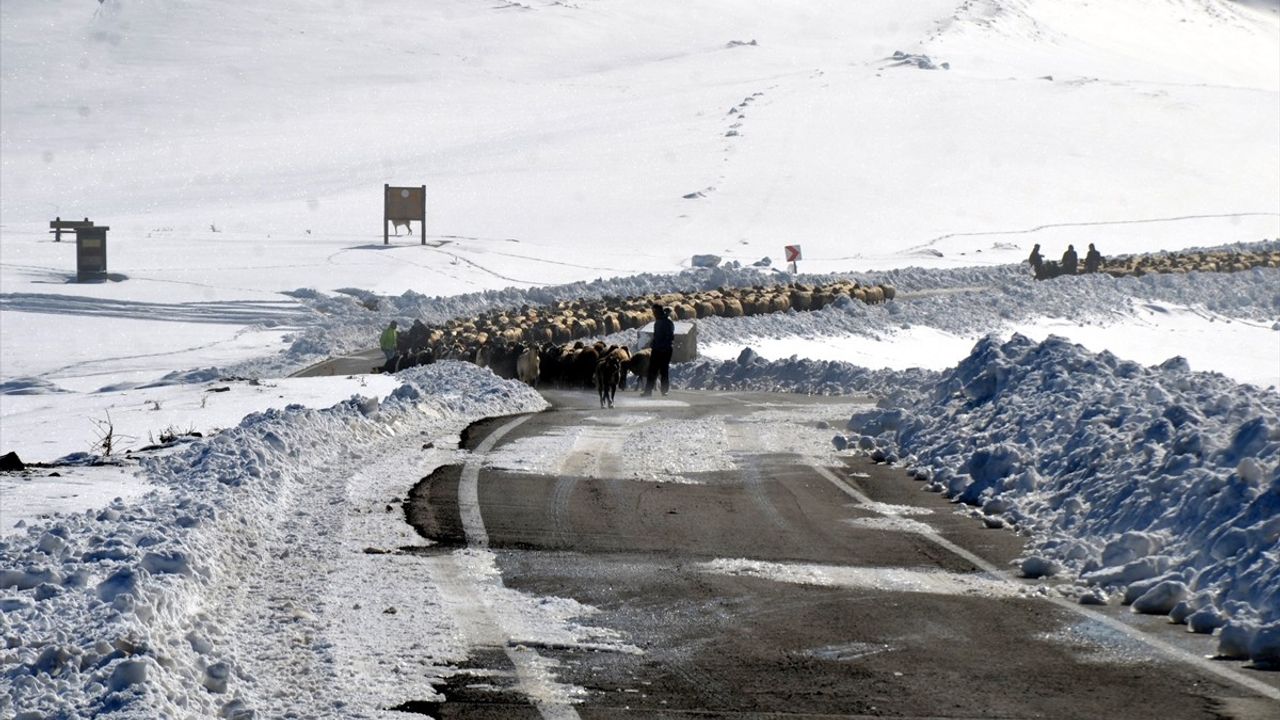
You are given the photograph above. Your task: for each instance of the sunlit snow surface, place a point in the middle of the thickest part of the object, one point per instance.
(239, 156)
(886, 579)
(1149, 333)
(652, 448)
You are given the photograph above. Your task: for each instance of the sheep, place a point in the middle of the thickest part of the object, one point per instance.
(584, 367)
(528, 366)
(638, 365)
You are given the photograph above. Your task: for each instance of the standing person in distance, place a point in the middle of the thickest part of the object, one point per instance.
(387, 341)
(1070, 260)
(1036, 260)
(1092, 260)
(664, 337)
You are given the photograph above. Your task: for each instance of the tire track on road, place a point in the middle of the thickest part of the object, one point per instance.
(1161, 647)
(533, 677)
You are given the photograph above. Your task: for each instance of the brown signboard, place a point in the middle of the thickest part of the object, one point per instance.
(402, 205)
(91, 253)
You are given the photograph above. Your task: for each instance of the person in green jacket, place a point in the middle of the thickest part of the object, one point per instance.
(387, 341)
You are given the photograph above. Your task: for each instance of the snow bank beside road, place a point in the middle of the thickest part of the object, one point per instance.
(130, 609)
(796, 375)
(1158, 484)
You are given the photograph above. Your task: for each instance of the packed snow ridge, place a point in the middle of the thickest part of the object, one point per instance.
(129, 610)
(1155, 486)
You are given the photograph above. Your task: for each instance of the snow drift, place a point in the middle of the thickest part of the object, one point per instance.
(125, 611)
(1157, 484)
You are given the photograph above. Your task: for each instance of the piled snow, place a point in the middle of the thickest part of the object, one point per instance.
(1156, 482)
(43, 428)
(795, 375)
(136, 609)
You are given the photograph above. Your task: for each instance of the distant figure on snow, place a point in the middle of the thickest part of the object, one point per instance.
(1070, 260)
(1092, 260)
(1036, 260)
(664, 337)
(387, 341)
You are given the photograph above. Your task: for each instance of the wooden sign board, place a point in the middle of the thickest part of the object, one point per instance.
(403, 205)
(91, 253)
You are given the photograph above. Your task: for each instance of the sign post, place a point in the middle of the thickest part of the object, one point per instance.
(91, 253)
(400, 205)
(793, 254)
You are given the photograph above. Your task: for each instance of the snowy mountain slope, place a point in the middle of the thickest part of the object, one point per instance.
(568, 127)
(1139, 42)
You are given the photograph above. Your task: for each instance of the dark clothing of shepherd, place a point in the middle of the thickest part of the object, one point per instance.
(664, 337)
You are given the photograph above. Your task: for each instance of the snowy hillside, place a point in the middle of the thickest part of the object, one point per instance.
(541, 128)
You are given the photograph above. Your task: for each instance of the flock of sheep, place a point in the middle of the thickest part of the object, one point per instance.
(1207, 261)
(544, 344)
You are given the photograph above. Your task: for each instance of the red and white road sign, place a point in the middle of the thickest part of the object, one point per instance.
(793, 253)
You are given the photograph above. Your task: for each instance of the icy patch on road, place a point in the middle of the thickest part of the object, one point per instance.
(649, 447)
(1099, 643)
(891, 524)
(643, 447)
(848, 651)
(887, 579)
(893, 510)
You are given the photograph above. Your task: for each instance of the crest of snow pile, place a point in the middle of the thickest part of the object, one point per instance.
(29, 386)
(1159, 483)
(120, 609)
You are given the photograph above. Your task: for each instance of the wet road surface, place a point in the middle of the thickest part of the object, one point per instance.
(748, 574)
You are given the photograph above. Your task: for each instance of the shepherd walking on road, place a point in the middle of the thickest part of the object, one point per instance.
(664, 335)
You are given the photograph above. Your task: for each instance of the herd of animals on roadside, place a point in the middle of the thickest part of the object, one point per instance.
(545, 346)
(1159, 263)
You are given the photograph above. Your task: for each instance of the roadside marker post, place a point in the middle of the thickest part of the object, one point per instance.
(793, 254)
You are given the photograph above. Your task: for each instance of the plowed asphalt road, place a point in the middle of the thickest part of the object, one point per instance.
(765, 578)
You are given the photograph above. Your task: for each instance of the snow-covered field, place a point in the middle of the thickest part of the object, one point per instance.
(590, 148)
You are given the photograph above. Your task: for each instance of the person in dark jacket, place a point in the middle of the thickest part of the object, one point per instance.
(1070, 260)
(1036, 260)
(664, 337)
(1092, 260)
